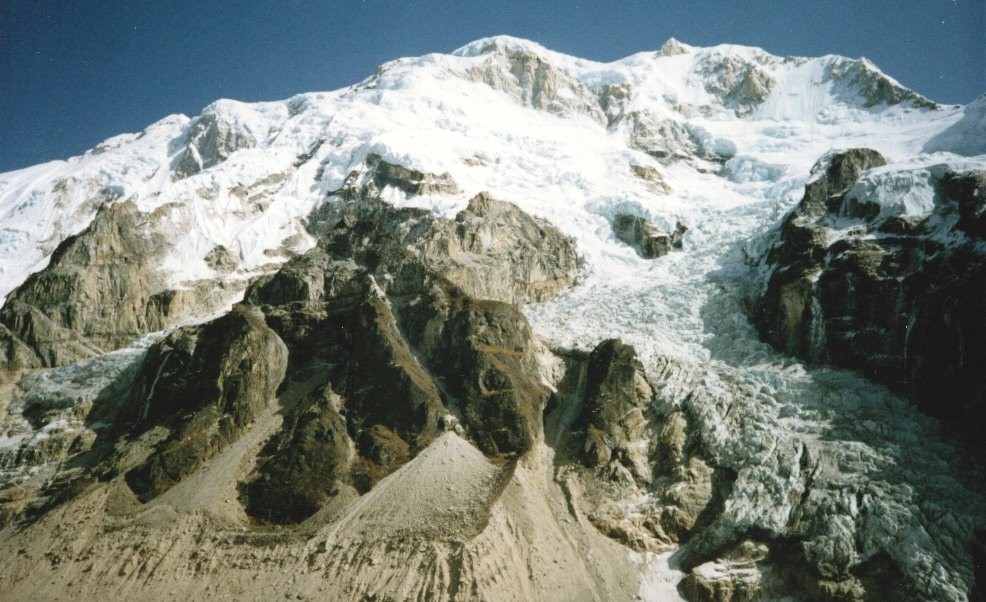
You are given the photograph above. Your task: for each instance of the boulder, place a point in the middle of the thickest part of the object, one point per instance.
(649, 240)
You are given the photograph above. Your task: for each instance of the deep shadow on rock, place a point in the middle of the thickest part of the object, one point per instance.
(206, 384)
(901, 299)
(391, 342)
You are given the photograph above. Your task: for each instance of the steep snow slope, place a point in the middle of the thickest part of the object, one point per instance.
(560, 137)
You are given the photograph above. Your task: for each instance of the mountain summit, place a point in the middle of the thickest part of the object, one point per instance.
(700, 323)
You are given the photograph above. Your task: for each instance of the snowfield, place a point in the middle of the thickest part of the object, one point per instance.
(886, 483)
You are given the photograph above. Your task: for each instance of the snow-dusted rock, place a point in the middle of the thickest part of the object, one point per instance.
(400, 325)
(647, 239)
(881, 273)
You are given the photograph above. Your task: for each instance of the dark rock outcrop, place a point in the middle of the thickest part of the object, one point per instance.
(618, 398)
(302, 465)
(14, 353)
(899, 299)
(649, 240)
(206, 384)
(392, 342)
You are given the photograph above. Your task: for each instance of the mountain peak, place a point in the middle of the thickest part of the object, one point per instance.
(672, 48)
(493, 338)
(506, 42)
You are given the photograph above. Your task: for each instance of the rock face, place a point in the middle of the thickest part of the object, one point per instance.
(649, 241)
(653, 178)
(393, 329)
(96, 293)
(212, 138)
(898, 298)
(100, 291)
(206, 384)
(535, 82)
(645, 482)
(392, 352)
(667, 140)
(740, 84)
(875, 88)
(377, 174)
(617, 398)
(493, 250)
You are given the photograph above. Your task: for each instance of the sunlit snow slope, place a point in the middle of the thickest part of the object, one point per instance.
(720, 138)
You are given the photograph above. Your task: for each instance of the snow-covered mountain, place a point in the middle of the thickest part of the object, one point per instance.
(779, 469)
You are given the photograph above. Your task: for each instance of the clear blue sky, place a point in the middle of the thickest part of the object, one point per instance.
(74, 72)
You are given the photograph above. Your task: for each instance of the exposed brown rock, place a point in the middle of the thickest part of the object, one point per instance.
(666, 140)
(533, 81)
(740, 84)
(206, 384)
(892, 301)
(735, 577)
(493, 250)
(617, 404)
(649, 241)
(221, 259)
(653, 178)
(376, 174)
(406, 352)
(300, 468)
(100, 291)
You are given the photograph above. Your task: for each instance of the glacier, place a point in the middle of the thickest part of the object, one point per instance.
(550, 133)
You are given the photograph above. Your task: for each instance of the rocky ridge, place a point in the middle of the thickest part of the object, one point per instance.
(380, 415)
(866, 284)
